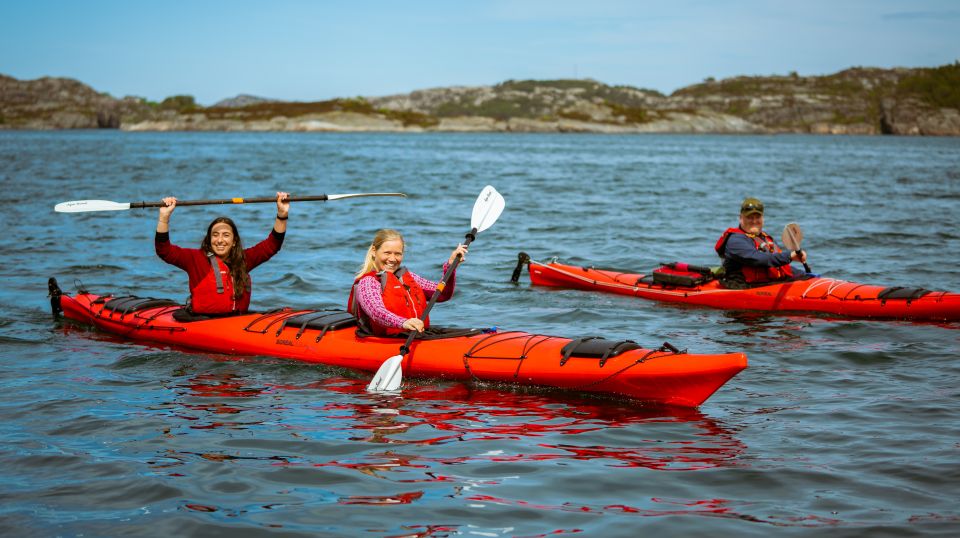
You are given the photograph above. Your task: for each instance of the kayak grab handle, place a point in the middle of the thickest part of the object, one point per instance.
(54, 293)
(522, 258)
(667, 346)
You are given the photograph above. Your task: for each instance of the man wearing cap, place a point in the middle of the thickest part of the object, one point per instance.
(750, 256)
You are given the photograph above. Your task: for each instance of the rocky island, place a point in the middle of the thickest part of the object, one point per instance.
(866, 101)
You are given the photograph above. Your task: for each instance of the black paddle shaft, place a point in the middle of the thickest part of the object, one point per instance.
(405, 348)
(319, 197)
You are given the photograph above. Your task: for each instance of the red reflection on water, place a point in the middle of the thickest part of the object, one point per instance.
(217, 385)
(721, 508)
(400, 498)
(221, 385)
(465, 413)
(932, 517)
(200, 507)
(425, 531)
(389, 462)
(666, 458)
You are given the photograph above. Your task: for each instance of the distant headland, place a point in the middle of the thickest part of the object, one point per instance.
(862, 101)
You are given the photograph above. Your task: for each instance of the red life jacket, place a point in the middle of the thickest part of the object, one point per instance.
(401, 295)
(213, 294)
(763, 243)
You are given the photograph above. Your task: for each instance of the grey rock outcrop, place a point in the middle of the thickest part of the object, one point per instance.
(62, 103)
(864, 101)
(242, 100)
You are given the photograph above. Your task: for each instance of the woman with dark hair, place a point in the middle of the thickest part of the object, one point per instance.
(387, 298)
(219, 271)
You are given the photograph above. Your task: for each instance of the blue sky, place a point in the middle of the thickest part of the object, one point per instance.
(315, 50)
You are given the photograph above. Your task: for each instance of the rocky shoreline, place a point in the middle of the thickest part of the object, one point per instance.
(704, 122)
(856, 101)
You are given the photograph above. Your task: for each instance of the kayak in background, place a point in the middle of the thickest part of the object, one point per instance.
(664, 375)
(690, 284)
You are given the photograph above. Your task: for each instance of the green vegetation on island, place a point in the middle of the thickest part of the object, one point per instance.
(914, 101)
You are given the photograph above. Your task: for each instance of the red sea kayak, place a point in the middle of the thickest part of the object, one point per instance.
(818, 294)
(663, 376)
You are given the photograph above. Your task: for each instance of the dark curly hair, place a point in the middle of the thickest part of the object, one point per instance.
(234, 259)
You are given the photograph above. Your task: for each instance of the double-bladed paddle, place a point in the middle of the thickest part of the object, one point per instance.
(792, 237)
(83, 206)
(486, 211)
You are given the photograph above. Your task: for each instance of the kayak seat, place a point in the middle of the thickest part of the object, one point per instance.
(130, 303)
(185, 315)
(431, 333)
(439, 333)
(595, 347)
(737, 282)
(901, 293)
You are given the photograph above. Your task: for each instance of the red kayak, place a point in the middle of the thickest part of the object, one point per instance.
(664, 375)
(680, 283)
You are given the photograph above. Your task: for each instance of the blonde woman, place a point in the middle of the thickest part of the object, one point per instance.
(386, 297)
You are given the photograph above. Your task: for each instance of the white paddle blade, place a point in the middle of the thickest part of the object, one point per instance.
(361, 194)
(82, 206)
(389, 376)
(792, 236)
(487, 209)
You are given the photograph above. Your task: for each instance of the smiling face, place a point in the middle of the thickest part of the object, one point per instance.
(389, 256)
(751, 223)
(221, 239)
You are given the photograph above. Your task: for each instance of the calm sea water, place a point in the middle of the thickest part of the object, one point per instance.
(838, 427)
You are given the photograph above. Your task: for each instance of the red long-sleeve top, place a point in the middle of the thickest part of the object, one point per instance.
(199, 271)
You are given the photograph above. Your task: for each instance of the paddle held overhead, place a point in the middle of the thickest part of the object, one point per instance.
(84, 206)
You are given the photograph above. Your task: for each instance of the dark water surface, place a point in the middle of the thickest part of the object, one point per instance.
(838, 427)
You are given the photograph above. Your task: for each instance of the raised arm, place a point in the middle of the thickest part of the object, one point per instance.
(283, 212)
(741, 248)
(163, 220)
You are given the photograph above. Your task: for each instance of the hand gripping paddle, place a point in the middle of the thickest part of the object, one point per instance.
(792, 237)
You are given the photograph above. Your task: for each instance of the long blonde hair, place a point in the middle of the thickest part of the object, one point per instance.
(382, 236)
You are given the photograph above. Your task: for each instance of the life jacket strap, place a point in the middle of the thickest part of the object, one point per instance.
(216, 271)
